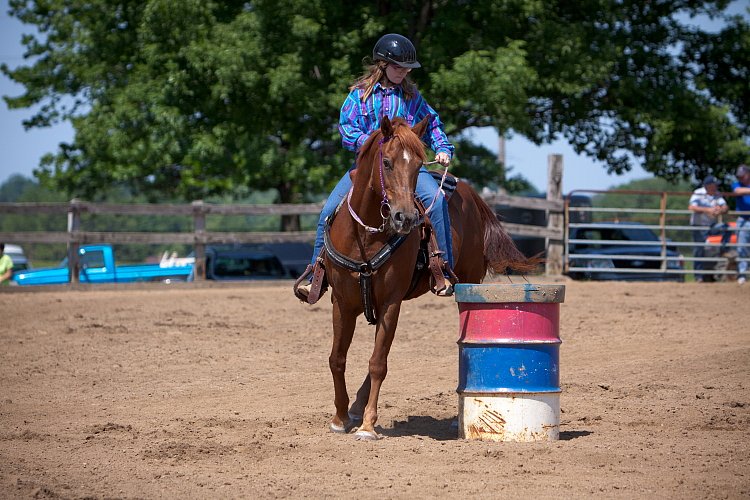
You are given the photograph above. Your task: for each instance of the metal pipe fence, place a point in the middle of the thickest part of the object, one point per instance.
(618, 242)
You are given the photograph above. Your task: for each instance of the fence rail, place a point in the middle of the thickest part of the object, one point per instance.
(672, 241)
(199, 237)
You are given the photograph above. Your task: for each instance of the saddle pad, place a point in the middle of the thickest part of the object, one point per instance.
(449, 185)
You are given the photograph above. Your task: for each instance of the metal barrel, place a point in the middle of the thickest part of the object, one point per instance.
(509, 362)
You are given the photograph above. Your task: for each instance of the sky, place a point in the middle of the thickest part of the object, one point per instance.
(21, 150)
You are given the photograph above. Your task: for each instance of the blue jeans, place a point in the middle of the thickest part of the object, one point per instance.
(743, 238)
(699, 238)
(427, 186)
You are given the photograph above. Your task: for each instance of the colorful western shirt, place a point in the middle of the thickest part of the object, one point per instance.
(359, 119)
(701, 198)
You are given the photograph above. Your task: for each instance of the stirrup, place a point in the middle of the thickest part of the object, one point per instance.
(309, 288)
(445, 292)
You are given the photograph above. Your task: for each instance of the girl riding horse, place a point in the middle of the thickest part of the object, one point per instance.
(385, 90)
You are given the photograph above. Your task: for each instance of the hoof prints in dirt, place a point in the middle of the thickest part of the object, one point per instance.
(29, 489)
(182, 451)
(26, 435)
(110, 429)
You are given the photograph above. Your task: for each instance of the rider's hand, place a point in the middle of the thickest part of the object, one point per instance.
(443, 158)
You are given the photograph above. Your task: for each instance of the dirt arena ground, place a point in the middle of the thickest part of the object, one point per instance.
(224, 392)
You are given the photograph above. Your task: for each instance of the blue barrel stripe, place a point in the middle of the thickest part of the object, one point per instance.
(508, 368)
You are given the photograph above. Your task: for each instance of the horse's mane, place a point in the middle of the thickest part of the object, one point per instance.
(369, 154)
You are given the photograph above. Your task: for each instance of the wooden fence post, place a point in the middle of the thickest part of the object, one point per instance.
(199, 229)
(74, 225)
(555, 220)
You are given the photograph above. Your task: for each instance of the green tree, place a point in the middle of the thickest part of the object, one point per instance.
(197, 98)
(13, 189)
(481, 166)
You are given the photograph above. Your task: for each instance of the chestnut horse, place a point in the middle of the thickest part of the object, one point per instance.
(383, 199)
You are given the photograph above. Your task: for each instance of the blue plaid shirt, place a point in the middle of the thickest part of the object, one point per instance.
(359, 119)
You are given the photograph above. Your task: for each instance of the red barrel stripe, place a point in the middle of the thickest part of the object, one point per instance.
(509, 322)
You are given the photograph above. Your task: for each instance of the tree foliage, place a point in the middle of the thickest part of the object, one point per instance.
(196, 98)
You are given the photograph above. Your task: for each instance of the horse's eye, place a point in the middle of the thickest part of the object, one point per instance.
(387, 164)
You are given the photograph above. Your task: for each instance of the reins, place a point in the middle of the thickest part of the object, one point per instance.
(440, 187)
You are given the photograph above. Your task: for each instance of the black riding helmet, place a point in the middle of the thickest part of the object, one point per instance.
(396, 49)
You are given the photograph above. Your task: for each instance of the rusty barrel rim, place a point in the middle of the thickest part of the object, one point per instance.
(498, 293)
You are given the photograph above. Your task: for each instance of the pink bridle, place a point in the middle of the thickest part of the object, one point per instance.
(383, 202)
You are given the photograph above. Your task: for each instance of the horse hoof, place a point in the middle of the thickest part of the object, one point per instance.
(337, 429)
(355, 420)
(361, 435)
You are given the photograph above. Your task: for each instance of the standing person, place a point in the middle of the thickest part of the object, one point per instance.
(742, 188)
(6, 266)
(385, 89)
(706, 204)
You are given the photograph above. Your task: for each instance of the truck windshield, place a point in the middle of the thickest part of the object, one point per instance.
(91, 259)
(617, 234)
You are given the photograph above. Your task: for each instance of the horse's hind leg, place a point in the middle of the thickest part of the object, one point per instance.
(378, 368)
(343, 331)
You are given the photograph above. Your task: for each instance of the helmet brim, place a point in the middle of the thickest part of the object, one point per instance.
(410, 65)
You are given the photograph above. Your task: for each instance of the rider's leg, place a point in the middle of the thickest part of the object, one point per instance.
(333, 201)
(427, 186)
(743, 239)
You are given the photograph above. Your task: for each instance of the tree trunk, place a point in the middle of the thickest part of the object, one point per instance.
(286, 195)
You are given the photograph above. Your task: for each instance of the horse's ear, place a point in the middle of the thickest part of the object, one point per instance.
(386, 128)
(421, 127)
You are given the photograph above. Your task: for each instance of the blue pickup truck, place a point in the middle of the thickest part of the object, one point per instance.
(97, 264)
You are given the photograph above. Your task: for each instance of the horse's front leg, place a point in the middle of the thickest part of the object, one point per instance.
(343, 331)
(378, 369)
(357, 409)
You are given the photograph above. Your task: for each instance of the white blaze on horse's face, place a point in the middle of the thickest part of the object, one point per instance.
(401, 180)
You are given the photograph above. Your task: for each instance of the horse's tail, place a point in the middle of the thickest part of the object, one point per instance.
(500, 253)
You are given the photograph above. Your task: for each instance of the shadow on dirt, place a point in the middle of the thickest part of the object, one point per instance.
(568, 435)
(445, 429)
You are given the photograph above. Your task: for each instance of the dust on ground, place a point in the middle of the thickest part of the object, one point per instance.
(225, 392)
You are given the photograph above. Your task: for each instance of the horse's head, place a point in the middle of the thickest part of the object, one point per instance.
(399, 156)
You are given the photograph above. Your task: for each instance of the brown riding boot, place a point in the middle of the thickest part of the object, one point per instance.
(445, 292)
(304, 290)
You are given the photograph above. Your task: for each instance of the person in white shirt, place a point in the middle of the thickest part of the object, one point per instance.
(706, 204)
